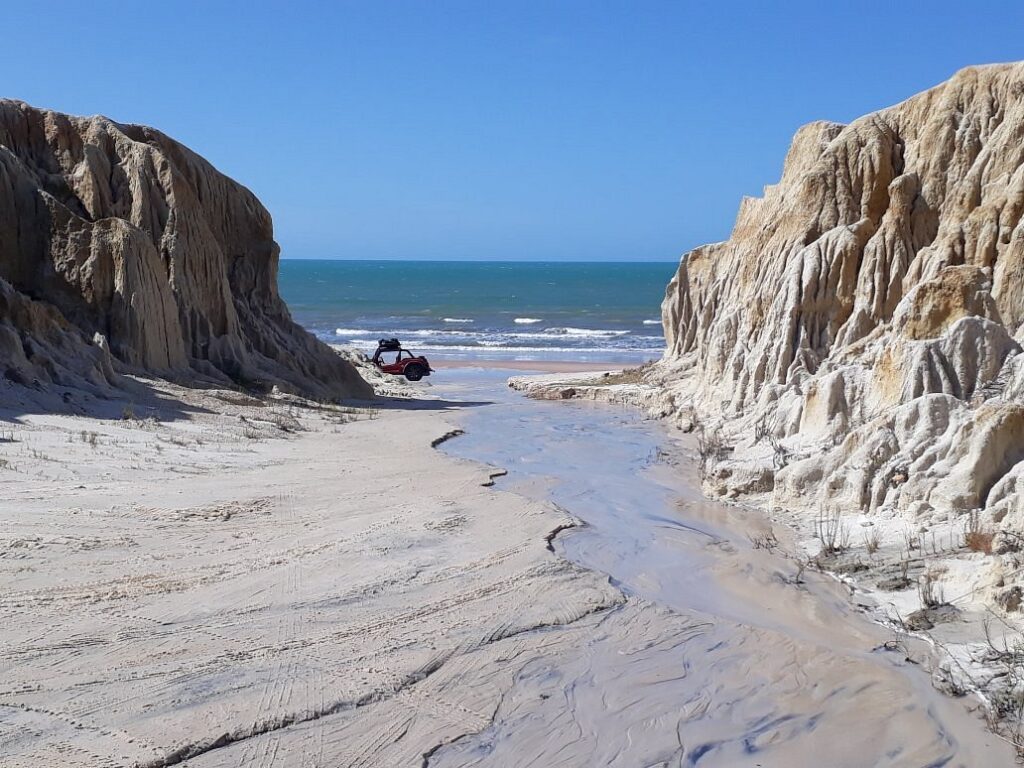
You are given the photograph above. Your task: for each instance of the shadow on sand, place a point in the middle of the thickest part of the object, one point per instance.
(164, 400)
(136, 399)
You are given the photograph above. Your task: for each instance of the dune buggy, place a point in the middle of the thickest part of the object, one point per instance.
(402, 361)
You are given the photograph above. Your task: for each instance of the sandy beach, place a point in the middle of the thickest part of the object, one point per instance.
(207, 579)
(516, 385)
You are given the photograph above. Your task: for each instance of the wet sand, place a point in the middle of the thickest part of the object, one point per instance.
(721, 655)
(220, 581)
(537, 366)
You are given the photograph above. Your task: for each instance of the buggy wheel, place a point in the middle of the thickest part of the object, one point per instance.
(414, 372)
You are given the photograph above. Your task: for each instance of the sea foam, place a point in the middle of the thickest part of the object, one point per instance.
(585, 332)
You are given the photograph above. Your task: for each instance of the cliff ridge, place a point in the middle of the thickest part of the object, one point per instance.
(122, 250)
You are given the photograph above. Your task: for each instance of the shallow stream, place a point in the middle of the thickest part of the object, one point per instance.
(720, 656)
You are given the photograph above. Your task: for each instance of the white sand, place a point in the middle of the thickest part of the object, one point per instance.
(243, 584)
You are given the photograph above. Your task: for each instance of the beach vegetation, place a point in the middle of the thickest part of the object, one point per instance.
(929, 590)
(872, 540)
(768, 541)
(711, 447)
(976, 538)
(251, 433)
(832, 532)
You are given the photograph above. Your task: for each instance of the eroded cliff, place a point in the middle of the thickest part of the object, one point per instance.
(855, 344)
(121, 249)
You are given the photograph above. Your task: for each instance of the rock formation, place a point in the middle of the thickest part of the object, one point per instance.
(857, 339)
(120, 249)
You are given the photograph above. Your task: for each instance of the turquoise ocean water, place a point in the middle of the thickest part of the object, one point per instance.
(587, 311)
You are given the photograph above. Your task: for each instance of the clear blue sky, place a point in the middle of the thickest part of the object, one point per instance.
(494, 130)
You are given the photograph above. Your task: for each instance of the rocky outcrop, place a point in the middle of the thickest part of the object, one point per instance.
(120, 249)
(858, 337)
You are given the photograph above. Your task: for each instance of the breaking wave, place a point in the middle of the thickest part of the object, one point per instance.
(500, 340)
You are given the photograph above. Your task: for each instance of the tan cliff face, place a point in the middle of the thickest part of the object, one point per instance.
(120, 247)
(868, 311)
(863, 215)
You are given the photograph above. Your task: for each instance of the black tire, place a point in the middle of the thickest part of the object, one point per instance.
(414, 372)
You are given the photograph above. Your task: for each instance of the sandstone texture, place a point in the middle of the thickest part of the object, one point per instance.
(854, 347)
(123, 251)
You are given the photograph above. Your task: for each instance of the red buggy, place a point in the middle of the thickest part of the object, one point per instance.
(402, 361)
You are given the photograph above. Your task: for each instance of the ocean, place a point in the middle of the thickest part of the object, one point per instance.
(582, 311)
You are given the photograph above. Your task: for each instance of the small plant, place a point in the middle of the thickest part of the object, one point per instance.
(929, 590)
(872, 540)
(780, 456)
(832, 533)
(128, 413)
(710, 447)
(976, 538)
(1006, 715)
(767, 541)
(912, 540)
(801, 566)
(285, 422)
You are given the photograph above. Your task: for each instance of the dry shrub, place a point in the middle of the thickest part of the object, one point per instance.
(711, 448)
(872, 541)
(929, 590)
(980, 541)
(767, 541)
(832, 532)
(976, 538)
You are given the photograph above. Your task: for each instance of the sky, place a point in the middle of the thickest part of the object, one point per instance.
(494, 130)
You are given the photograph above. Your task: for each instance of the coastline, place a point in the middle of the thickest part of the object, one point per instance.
(483, 363)
(538, 366)
(228, 538)
(298, 582)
